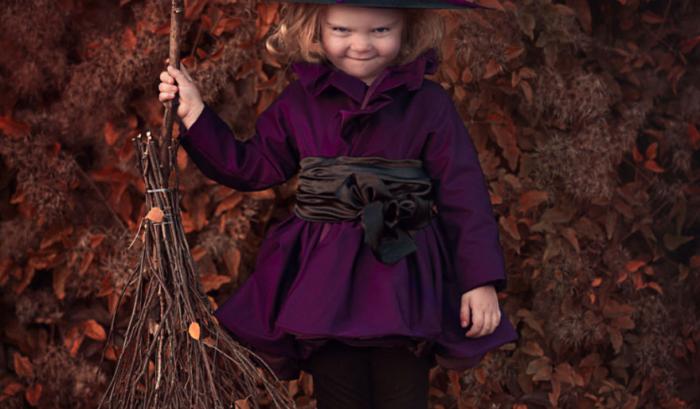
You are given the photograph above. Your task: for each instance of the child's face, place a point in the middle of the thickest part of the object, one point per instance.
(361, 41)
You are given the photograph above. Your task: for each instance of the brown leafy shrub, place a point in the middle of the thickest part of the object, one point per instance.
(585, 115)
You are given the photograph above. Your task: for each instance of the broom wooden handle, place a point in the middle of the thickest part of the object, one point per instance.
(177, 12)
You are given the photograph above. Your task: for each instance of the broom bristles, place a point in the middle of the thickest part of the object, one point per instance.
(175, 354)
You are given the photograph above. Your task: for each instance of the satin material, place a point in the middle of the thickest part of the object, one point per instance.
(318, 281)
(392, 198)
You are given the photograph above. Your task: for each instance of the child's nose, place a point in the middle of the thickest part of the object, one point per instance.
(361, 46)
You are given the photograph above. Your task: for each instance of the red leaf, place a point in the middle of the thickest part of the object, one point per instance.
(232, 258)
(12, 128)
(11, 389)
(513, 52)
(527, 90)
(213, 281)
(531, 199)
(615, 338)
(492, 68)
(564, 372)
(73, 339)
(111, 352)
(96, 240)
(634, 265)
(94, 330)
(636, 155)
(570, 236)
(129, 39)
(33, 394)
(655, 286)
(510, 225)
(112, 175)
(193, 8)
(59, 281)
(651, 150)
(532, 348)
(86, 262)
(226, 25)
(583, 13)
(112, 302)
(688, 45)
(695, 261)
(694, 136)
(23, 367)
(111, 134)
(266, 16)
(652, 18)
(503, 127)
(467, 76)
(163, 30)
(229, 203)
(653, 166)
(454, 387)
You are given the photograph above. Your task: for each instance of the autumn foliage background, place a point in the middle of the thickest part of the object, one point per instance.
(585, 114)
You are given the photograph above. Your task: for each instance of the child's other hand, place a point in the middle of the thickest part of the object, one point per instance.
(481, 305)
(175, 81)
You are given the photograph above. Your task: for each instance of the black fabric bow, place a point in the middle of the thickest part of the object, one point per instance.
(392, 198)
(387, 219)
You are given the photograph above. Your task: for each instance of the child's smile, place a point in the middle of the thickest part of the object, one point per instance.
(362, 41)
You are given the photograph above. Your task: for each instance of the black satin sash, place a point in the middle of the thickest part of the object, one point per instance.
(393, 198)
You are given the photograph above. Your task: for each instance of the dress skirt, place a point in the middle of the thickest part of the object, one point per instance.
(313, 283)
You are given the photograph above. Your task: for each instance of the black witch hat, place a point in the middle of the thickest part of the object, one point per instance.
(420, 4)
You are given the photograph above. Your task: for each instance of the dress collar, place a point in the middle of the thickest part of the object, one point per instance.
(316, 77)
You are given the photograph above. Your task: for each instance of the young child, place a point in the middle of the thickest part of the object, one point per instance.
(390, 263)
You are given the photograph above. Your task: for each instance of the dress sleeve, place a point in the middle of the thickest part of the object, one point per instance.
(268, 158)
(464, 207)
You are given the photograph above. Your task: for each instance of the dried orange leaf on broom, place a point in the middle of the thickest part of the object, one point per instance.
(242, 404)
(194, 330)
(155, 215)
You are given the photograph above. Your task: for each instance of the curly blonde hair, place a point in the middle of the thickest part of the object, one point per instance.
(297, 36)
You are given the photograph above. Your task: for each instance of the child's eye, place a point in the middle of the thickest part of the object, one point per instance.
(344, 30)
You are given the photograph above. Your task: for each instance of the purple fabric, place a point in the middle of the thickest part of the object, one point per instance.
(313, 281)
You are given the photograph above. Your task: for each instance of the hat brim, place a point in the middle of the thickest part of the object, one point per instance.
(425, 4)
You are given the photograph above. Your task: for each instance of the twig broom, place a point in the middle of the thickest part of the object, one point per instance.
(175, 354)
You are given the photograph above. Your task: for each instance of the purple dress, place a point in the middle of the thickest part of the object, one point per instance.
(313, 280)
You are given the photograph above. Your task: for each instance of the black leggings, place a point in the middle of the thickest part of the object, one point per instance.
(349, 377)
